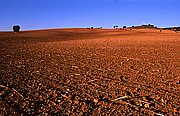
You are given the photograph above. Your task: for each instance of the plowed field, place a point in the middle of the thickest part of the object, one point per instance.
(90, 72)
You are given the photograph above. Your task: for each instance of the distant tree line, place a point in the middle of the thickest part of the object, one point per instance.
(172, 28)
(149, 25)
(94, 28)
(144, 26)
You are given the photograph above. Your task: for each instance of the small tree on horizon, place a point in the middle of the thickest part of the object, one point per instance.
(124, 27)
(115, 27)
(16, 28)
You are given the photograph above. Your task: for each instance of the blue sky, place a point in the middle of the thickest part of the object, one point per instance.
(40, 14)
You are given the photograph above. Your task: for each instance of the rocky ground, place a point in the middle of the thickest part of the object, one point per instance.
(90, 72)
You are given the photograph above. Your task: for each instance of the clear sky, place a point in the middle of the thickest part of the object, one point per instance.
(40, 14)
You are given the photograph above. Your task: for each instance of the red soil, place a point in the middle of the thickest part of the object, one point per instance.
(90, 72)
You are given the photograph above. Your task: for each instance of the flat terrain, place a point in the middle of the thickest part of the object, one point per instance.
(90, 72)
